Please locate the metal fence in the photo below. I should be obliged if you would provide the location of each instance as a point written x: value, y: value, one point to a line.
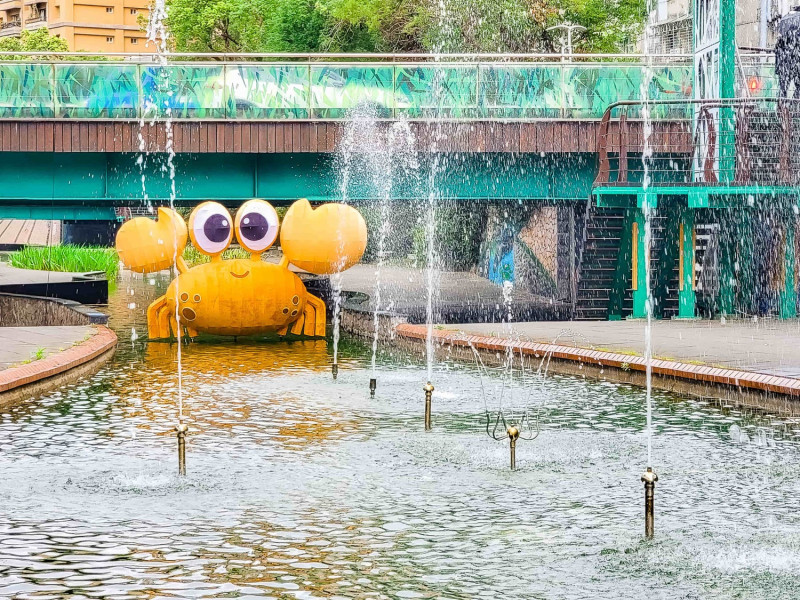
x: 742, y: 141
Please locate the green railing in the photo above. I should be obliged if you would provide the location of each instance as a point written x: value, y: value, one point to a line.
x: 330, y: 90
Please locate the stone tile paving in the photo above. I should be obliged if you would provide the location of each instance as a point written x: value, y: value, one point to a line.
x: 764, y: 345
x: 19, y: 344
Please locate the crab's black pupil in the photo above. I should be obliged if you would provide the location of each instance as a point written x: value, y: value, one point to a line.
x: 217, y: 228
x: 254, y: 226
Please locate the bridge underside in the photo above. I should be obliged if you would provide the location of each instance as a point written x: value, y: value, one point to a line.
x: 90, y: 185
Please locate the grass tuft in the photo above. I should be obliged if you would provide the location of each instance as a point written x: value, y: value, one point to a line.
x: 193, y: 257
x: 67, y: 258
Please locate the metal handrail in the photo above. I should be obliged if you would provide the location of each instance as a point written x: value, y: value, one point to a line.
x: 311, y: 56
x: 702, y: 110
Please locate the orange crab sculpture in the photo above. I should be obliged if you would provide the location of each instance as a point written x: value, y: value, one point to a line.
x: 243, y: 296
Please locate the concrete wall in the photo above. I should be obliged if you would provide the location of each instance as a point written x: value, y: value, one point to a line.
x: 31, y: 311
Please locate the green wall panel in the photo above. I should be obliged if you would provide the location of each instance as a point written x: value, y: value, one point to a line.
x: 67, y: 182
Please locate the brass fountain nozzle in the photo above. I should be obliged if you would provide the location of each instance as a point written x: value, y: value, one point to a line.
x: 428, y: 387
x: 649, y: 478
x: 513, y: 436
x: 181, y: 428
x: 373, y: 383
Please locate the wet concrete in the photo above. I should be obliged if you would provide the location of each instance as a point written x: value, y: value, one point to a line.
x: 766, y: 346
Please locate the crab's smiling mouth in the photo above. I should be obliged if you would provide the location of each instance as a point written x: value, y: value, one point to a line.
x: 245, y: 274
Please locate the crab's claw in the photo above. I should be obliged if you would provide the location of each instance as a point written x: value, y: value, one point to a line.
x: 323, y: 240
x: 146, y: 246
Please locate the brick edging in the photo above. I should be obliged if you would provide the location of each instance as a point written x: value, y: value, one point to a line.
x: 100, y: 343
x: 787, y: 386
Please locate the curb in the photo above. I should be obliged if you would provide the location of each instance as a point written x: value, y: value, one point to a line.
x: 100, y: 343
x: 759, y: 382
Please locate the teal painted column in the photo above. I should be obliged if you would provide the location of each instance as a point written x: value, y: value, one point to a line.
x: 788, y: 294
x: 745, y: 274
x: 639, y: 260
x: 686, y: 274
x: 619, y: 286
x: 727, y: 89
x: 727, y: 276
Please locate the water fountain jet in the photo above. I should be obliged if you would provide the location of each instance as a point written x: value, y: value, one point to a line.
x: 181, y: 428
x: 335, y: 370
x: 513, y: 435
x: 649, y: 478
x: 428, y: 387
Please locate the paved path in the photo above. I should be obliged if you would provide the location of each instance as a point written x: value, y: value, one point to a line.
x: 20, y: 344
x: 764, y: 346
x: 404, y: 290
x: 12, y: 276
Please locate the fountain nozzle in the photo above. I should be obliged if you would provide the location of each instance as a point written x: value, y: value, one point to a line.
x: 513, y: 436
x: 335, y: 370
x: 428, y: 387
x: 649, y: 478
x: 373, y: 383
x: 181, y: 428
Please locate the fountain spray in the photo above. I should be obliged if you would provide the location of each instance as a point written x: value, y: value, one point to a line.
x: 157, y: 34
x: 649, y: 478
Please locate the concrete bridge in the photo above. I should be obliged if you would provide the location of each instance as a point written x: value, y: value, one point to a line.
x: 70, y: 131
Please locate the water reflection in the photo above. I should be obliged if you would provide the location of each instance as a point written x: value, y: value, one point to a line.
x: 299, y: 487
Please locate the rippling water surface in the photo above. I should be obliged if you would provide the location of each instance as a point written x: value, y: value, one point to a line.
x: 299, y: 487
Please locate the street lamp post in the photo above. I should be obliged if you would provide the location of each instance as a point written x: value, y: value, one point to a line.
x: 569, y: 28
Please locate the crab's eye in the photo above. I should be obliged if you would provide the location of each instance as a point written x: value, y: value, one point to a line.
x: 256, y: 225
x: 211, y: 228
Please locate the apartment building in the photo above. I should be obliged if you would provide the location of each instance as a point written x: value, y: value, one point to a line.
x: 89, y: 25
x: 755, y: 24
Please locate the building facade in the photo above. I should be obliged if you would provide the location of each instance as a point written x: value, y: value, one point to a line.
x: 86, y: 25
x: 755, y: 24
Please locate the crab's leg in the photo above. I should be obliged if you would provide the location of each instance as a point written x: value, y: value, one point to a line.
x: 153, y: 318
x: 283, y: 331
x: 162, y: 318
x: 191, y: 332
x: 297, y: 326
x: 319, y: 318
x: 175, y: 326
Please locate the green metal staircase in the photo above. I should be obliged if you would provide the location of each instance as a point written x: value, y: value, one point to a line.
x: 605, y: 275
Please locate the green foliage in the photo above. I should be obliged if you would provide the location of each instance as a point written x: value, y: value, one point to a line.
x: 35, y: 40
x: 194, y: 257
x: 459, y: 230
x: 67, y: 258
x: 400, y: 25
x: 610, y: 26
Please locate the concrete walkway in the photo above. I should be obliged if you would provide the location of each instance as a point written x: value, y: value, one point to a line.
x: 19, y: 345
x: 765, y: 346
x: 404, y: 290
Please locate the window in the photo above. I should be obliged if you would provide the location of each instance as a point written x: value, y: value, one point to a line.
x: 109, y: 9
x: 110, y: 39
x: 134, y: 41
x: 134, y: 11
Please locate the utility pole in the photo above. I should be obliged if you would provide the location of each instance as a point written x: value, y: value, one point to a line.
x: 569, y: 28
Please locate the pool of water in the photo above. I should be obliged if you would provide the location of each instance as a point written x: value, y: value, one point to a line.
x: 301, y: 487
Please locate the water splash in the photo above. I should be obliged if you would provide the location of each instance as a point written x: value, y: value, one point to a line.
x: 647, y: 154
x: 155, y: 107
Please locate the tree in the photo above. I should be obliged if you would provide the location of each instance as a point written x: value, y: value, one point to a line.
x: 399, y: 25
x: 36, y: 40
